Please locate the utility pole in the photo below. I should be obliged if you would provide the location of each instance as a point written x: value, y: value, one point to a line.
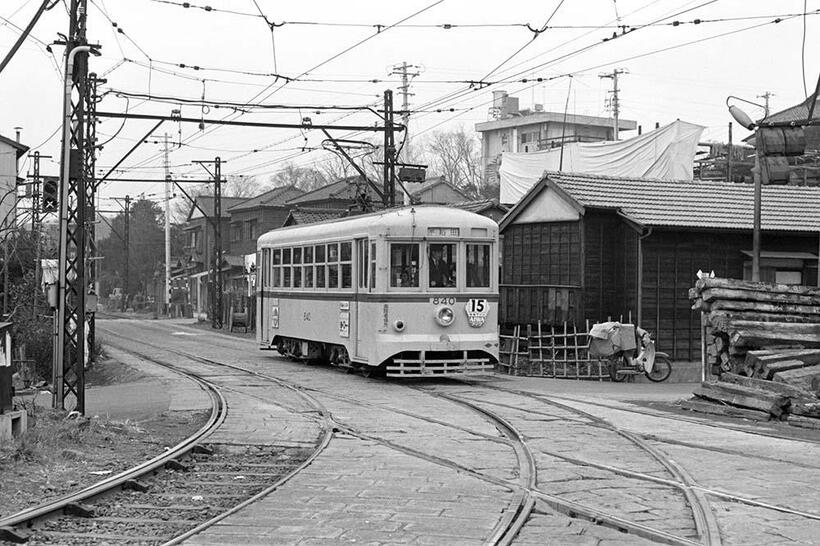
x: 70, y: 353
x: 216, y: 264
x: 126, y: 245
x: 407, y: 72
x: 729, y: 156
x: 167, y: 229
x: 766, y: 96
x: 36, y: 194
x: 389, y: 152
x: 616, y: 104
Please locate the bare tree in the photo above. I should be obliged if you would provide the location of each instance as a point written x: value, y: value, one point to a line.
x: 304, y: 178
x: 456, y: 156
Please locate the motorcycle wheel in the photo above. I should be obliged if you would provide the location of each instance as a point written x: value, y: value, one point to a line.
x: 661, y: 370
x: 614, y: 365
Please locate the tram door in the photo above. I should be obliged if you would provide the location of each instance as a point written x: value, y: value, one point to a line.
x: 363, y: 259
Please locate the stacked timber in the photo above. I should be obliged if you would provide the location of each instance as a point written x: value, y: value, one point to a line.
x: 763, y: 341
x: 743, y: 316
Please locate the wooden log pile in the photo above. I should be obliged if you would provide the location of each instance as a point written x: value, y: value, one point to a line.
x: 743, y: 316
x: 763, y: 341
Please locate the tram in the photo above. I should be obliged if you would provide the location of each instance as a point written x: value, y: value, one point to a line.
x: 402, y: 292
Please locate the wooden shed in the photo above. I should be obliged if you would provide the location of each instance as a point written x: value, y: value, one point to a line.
x: 584, y: 247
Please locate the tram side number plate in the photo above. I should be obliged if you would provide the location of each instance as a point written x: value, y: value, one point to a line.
x: 443, y: 300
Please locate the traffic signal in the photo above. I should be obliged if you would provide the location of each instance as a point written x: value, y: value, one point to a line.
x: 774, y: 146
x: 50, y: 194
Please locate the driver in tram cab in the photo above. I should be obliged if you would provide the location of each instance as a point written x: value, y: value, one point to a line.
x: 440, y: 269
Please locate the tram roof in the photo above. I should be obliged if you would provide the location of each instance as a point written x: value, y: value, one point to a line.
x: 397, y: 222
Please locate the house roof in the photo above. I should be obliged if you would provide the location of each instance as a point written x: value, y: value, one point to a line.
x: 344, y: 189
x: 206, y: 203
x: 272, y: 198
x: 684, y: 204
x: 21, y: 148
x: 417, y: 188
x: 797, y: 113
x: 300, y: 216
x: 480, y: 205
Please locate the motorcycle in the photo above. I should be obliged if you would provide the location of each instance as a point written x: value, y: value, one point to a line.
x: 618, y: 342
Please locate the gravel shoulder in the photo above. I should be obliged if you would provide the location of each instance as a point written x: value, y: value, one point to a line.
x: 61, y: 453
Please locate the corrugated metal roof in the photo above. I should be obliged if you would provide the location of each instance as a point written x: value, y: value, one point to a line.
x: 695, y: 204
x: 479, y: 205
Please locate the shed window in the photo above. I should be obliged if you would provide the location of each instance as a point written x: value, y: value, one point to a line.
x: 404, y: 265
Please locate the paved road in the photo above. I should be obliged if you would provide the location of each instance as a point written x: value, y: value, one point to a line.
x: 409, y: 463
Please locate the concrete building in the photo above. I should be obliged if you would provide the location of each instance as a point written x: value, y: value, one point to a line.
x: 511, y: 129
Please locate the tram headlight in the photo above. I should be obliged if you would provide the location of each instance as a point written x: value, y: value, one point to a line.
x: 399, y: 325
x: 445, y: 316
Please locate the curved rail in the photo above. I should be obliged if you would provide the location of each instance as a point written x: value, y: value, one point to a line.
x: 509, y: 526
x: 326, y: 437
x: 215, y: 420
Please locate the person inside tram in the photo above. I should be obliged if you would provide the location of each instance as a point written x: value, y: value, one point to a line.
x: 441, y: 271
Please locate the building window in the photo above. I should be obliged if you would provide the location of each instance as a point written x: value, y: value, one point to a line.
x: 236, y: 232
x: 251, y: 229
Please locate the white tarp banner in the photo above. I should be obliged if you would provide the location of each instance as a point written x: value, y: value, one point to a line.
x: 667, y: 153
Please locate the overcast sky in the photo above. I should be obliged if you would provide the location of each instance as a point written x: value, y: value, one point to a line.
x: 684, y: 71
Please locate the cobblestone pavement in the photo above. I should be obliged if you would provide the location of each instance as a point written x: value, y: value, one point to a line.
x: 407, y: 467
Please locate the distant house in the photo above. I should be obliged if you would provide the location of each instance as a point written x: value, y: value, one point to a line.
x: 199, y: 248
x: 511, y: 129
x: 582, y: 247
x: 10, y: 153
x: 300, y: 216
x: 490, y: 208
x: 256, y: 215
x: 341, y: 194
x: 433, y: 191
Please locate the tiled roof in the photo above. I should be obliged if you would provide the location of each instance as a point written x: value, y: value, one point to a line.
x: 690, y: 204
x: 275, y: 197
x: 302, y: 216
x: 344, y: 189
x: 206, y: 203
x: 799, y: 112
x: 479, y: 205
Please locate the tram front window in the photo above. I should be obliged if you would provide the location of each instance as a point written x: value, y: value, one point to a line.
x: 442, y: 265
x: 478, y: 266
x: 404, y: 265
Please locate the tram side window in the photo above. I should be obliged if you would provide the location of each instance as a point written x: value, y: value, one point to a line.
x: 478, y: 266
x: 372, y: 266
x: 286, y: 267
x: 442, y: 265
x: 333, y: 265
x: 319, y: 258
x: 277, y: 267
x: 404, y: 265
x: 347, y: 264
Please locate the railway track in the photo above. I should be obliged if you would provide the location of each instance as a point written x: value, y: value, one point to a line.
x: 525, y: 490
x: 181, y: 492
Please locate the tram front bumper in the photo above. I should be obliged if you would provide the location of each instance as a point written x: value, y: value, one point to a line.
x: 446, y: 354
